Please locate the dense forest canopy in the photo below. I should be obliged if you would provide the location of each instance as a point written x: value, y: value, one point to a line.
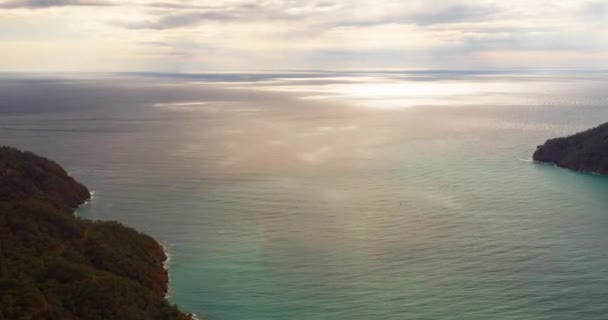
x: 54, y: 265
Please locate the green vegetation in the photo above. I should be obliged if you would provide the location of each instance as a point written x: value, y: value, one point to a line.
x: 586, y: 151
x: 54, y: 265
x: 25, y: 176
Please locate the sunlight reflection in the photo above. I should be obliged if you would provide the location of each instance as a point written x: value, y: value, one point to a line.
x: 395, y: 93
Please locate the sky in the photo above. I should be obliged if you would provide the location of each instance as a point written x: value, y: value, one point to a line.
x: 246, y: 35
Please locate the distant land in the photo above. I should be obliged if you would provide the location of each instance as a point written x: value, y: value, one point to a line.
x: 54, y: 265
x: 585, y: 151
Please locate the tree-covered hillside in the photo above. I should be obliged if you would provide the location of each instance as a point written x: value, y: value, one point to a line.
x: 54, y: 265
x: 585, y: 151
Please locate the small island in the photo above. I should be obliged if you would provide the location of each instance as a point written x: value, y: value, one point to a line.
x: 585, y: 151
x: 55, y: 265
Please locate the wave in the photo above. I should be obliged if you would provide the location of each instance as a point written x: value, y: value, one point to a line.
x: 93, y: 196
x: 166, y: 267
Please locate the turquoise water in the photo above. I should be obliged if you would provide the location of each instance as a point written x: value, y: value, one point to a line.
x: 339, y: 195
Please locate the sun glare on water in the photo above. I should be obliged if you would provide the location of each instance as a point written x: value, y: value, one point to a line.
x: 389, y: 94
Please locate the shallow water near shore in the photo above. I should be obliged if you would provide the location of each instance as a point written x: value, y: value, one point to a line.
x: 328, y: 195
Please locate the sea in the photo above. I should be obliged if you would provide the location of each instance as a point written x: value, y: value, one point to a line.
x: 355, y: 195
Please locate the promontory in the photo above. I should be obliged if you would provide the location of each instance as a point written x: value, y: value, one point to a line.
x: 55, y: 265
x: 585, y: 151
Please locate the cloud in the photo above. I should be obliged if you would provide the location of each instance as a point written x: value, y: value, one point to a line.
x: 184, y: 5
x: 455, y: 13
x: 41, y: 4
x: 183, y: 15
x: 532, y: 41
x: 181, y: 35
x: 436, y: 15
x: 181, y: 20
x: 595, y: 9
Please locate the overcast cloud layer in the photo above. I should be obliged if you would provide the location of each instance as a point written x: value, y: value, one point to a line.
x: 235, y: 35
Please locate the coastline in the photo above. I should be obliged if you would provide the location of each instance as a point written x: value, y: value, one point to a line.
x: 166, y: 265
x: 553, y: 164
x: 92, y: 197
x: 165, y: 249
x: 83, y: 268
